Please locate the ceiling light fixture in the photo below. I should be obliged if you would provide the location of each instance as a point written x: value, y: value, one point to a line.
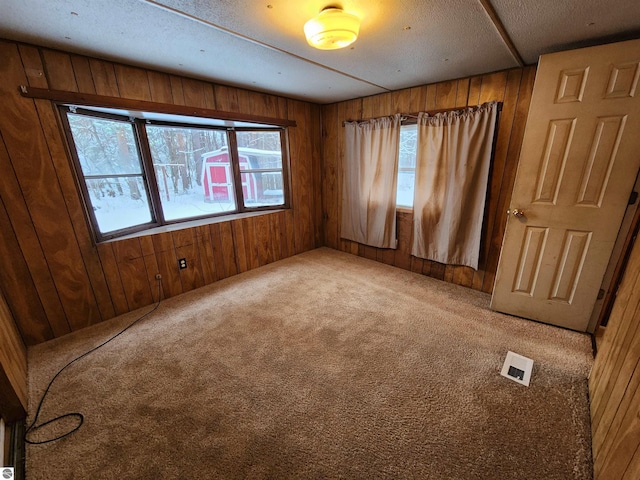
x: 331, y: 29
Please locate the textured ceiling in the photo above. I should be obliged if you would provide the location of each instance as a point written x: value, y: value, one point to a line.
x: 259, y: 44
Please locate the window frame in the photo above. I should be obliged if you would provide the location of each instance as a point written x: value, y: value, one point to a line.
x: 148, y: 174
x: 238, y: 171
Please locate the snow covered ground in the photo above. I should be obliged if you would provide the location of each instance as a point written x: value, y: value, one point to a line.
x: 116, y: 213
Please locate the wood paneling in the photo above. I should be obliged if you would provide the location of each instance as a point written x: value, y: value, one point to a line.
x: 133, y: 82
x: 160, y: 87
x: 104, y: 78
x: 32, y: 163
x: 194, y: 93
x: 47, y: 116
x: 614, y: 384
x: 75, y: 283
x: 13, y: 367
x: 512, y: 87
x: 307, y: 221
x: 55, y: 279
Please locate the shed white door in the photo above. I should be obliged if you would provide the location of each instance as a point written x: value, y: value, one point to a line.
x: 579, y: 159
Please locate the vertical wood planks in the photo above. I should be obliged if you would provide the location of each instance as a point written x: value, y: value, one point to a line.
x: 615, y: 368
x: 218, y: 255
x: 186, y: 246
x: 56, y: 279
x: 331, y: 130
x: 207, y: 260
x: 13, y: 367
x: 402, y: 256
x: 82, y: 69
x: 160, y: 87
x: 510, y: 134
x: 250, y: 243
x: 263, y: 240
x: 133, y: 273
x: 53, y: 138
x: 22, y: 294
x: 59, y: 70
x: 228, y: 250
x: 315, y: 149
x: 290, y: 237
x: 132, y: 82
x: 194, y: 95
x: 276, y: 239
x: 104, y: 78
x: 74, y: 282
x: 302, y: 172
x: 513, y: 87
x: 34, y: 169
x: 614, y: 384
x: 226, y: 98
x: 237, y: 227
x: 112, y: 275
x: 167, y: 264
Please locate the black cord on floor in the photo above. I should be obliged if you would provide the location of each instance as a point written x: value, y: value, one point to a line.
x: 33, y: 427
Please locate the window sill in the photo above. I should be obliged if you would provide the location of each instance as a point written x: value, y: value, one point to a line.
x: 193, y: 223
x: 404, y: 210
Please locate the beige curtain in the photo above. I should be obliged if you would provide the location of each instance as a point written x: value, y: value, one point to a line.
x: 369, y: 186
x: 452, y: 170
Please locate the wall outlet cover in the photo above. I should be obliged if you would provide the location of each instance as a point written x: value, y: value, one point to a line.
x: 517, y: 368
x: 8, y: 473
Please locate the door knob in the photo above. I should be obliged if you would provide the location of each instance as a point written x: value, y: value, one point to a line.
x: 516, y: 213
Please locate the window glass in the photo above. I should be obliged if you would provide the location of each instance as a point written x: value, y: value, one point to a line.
x: 112, y: 171
x: 193, y: 171
x: 260, y: 162
x: 406, y: 165
x: 137, y: 173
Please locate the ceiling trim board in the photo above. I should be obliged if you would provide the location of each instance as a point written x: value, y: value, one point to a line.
x: 495, y: 19
x: 259, y: 43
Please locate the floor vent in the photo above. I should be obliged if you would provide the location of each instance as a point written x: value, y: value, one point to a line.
x: 517, y: 368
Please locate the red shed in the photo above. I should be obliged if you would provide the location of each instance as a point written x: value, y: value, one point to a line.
x: 217, y: 177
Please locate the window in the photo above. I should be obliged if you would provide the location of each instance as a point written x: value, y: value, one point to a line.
x: 137, y: 173
x: 407, y: 165
x: 260, y: 160
x: 181, y: 163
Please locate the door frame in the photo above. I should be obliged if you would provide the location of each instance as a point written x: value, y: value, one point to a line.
x: 617, y: 262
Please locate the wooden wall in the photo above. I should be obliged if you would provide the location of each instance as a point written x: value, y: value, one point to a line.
x: 512, y: 87
x: 55, y: 279
x: 13, y: 367
x: 614, y: 384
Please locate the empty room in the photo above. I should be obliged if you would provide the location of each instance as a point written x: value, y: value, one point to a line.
x: 305, y: 240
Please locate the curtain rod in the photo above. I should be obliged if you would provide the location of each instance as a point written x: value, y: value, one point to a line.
x: 93, y: 100
x: 430, y: 112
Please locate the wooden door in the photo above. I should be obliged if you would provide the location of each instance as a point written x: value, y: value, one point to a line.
x: 579, y: 159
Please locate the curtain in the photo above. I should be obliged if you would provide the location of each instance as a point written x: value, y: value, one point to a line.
x: 452, y: 170
x: 369, y: 186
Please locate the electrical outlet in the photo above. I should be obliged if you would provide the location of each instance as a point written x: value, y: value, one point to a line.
x: 8, y: 473
x: 182, y: 263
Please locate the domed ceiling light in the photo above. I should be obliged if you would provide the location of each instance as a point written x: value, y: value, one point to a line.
x: 331, y: 29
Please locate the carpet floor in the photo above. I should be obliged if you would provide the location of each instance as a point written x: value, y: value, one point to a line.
x: 323, y: 365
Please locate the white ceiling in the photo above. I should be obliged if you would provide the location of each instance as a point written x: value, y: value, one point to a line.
x: 259, y: 44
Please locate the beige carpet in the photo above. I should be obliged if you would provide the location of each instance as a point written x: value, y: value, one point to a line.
x: 324, y: 365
